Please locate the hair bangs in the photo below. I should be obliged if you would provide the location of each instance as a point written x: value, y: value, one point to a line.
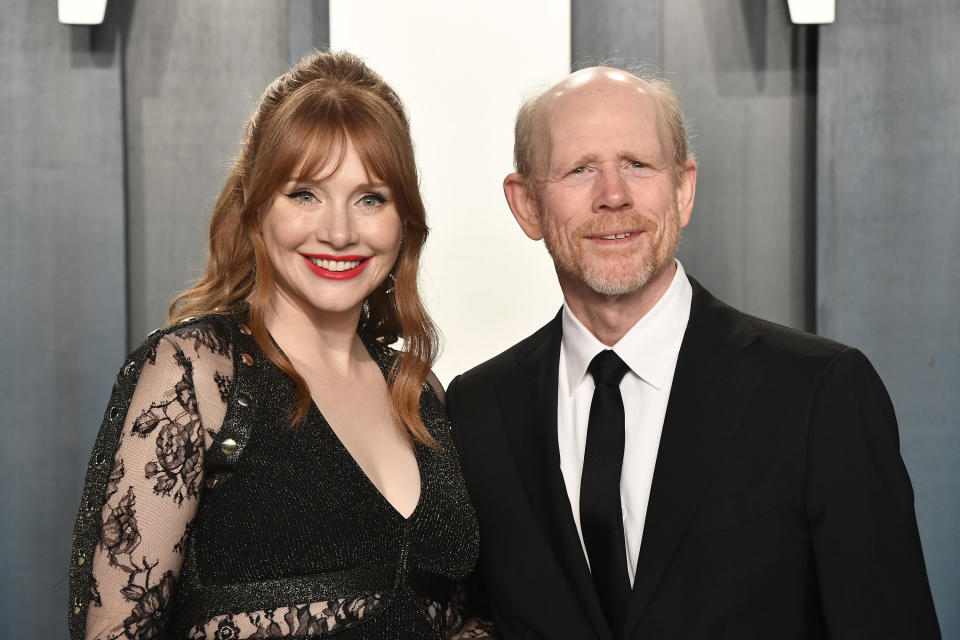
x: 313, y: 147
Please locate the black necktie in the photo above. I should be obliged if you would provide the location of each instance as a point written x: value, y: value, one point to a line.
x: 601, y: 518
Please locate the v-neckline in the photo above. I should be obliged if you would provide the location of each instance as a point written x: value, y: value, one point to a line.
x: 380, y: 354
x: 362, y: 472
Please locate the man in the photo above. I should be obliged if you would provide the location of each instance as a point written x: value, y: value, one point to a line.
x: 653, y: 463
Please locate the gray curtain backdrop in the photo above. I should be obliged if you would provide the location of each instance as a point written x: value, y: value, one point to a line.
x: 888, y: 239
x: 827, y: 200
x: 62, y: 291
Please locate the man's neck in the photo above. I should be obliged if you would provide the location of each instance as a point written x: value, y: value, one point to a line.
x: 609, y: 318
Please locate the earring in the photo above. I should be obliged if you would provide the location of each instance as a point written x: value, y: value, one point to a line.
x: 391, y: 283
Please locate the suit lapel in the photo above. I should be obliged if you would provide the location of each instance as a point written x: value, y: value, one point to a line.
x: 528, y: 400
x: 715, y: 377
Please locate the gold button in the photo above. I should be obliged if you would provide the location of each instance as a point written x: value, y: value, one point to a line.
x: 81, y: 559
x: 211, y: 483
x: 129, y: 368
x: 244, y: 399
x: 247, y: 359
x: 76, y: 610
x: 228, y: 446
x: 245, y: 330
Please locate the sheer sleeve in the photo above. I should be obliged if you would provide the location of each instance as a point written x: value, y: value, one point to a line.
x: 460, y: 624
x: 153, y: 489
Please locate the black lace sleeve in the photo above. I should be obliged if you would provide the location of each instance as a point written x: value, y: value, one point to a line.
x: 144, y: 484
x: 457, y: 627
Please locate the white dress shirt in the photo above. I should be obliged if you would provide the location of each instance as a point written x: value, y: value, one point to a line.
x: 650, y: 348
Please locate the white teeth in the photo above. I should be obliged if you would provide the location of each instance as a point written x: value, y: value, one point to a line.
x: 336, y: 265
x: 618, y: 236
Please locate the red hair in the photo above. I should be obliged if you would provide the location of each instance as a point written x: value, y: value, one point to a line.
x: 302, y: 124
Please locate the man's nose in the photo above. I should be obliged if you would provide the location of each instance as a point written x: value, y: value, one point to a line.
x: 611, y: 191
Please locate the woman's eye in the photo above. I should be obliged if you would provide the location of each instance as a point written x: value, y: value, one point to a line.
x: 302, y: 195
x: 372, y: 200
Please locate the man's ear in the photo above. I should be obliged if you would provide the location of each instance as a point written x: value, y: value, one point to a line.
x: 686, y: 189
x: 523, y: 204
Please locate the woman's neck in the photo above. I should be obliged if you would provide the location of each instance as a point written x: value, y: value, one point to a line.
x: 315, y: 337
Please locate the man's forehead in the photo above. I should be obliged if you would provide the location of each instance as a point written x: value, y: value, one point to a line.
x: 589, y: 106
x: 598, y: 78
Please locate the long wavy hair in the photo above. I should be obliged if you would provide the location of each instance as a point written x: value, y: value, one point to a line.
x: 301, y: 126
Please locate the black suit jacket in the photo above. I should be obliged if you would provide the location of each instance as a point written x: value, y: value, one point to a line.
x: 780, y: 505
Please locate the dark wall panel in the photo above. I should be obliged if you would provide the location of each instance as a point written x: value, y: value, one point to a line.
x: 630, y: 30
x: 888, y: 232
x: 61, y: 290
x: 193, y: 72
x: 308, y: 27
x: 745, y: 77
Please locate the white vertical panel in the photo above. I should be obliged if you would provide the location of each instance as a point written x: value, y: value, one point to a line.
x: 462, y: 69
x: 812, y: 11
x: 81, y: 11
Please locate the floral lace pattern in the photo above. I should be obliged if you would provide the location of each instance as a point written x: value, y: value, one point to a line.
x: 155, y: 484
x: 153, y: 494
x: 297, y: 620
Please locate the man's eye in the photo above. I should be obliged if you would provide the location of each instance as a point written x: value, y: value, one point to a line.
x: 579, y: 170
x: 636, y: 164
x: 302, y: 195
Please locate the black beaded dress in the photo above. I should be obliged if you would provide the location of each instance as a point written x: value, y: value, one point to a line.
x: 204, y: 515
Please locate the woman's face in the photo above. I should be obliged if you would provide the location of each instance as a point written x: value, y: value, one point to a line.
x: 331, y: 242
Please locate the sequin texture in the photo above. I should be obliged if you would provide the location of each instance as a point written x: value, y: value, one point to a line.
x: 288, y: 530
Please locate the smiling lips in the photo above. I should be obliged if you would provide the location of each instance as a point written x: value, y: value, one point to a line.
x: 336, y: 267
x: 613, y: 238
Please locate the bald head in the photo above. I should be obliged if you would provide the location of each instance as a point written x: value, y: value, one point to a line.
x: 589, y: 86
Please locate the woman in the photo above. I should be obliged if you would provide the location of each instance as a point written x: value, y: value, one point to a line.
x: 267, y: 465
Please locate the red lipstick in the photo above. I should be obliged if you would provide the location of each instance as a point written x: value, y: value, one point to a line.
x: 336, y: 275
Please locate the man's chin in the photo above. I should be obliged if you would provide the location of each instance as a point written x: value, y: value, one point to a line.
x: 611, y: 285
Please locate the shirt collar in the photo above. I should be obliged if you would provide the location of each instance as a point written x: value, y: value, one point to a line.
x: 649, y: 348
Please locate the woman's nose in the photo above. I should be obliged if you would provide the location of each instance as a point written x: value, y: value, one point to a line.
x: 335, y: 226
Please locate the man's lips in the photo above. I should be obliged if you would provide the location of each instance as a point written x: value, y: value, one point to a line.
x: 336, y: 267
x: 615, y: 237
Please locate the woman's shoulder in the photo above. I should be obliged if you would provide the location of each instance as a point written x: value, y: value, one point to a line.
x: 209, y: 337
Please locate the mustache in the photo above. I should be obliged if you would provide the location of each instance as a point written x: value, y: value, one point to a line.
x: 616, y: 223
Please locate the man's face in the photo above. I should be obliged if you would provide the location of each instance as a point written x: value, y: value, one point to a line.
x: 605, y: 187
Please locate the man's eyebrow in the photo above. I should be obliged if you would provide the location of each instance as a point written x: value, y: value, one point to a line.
x: 577, y: 162
x: 652, y: 159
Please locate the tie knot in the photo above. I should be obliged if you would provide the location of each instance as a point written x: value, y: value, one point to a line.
x: 607, y: 368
